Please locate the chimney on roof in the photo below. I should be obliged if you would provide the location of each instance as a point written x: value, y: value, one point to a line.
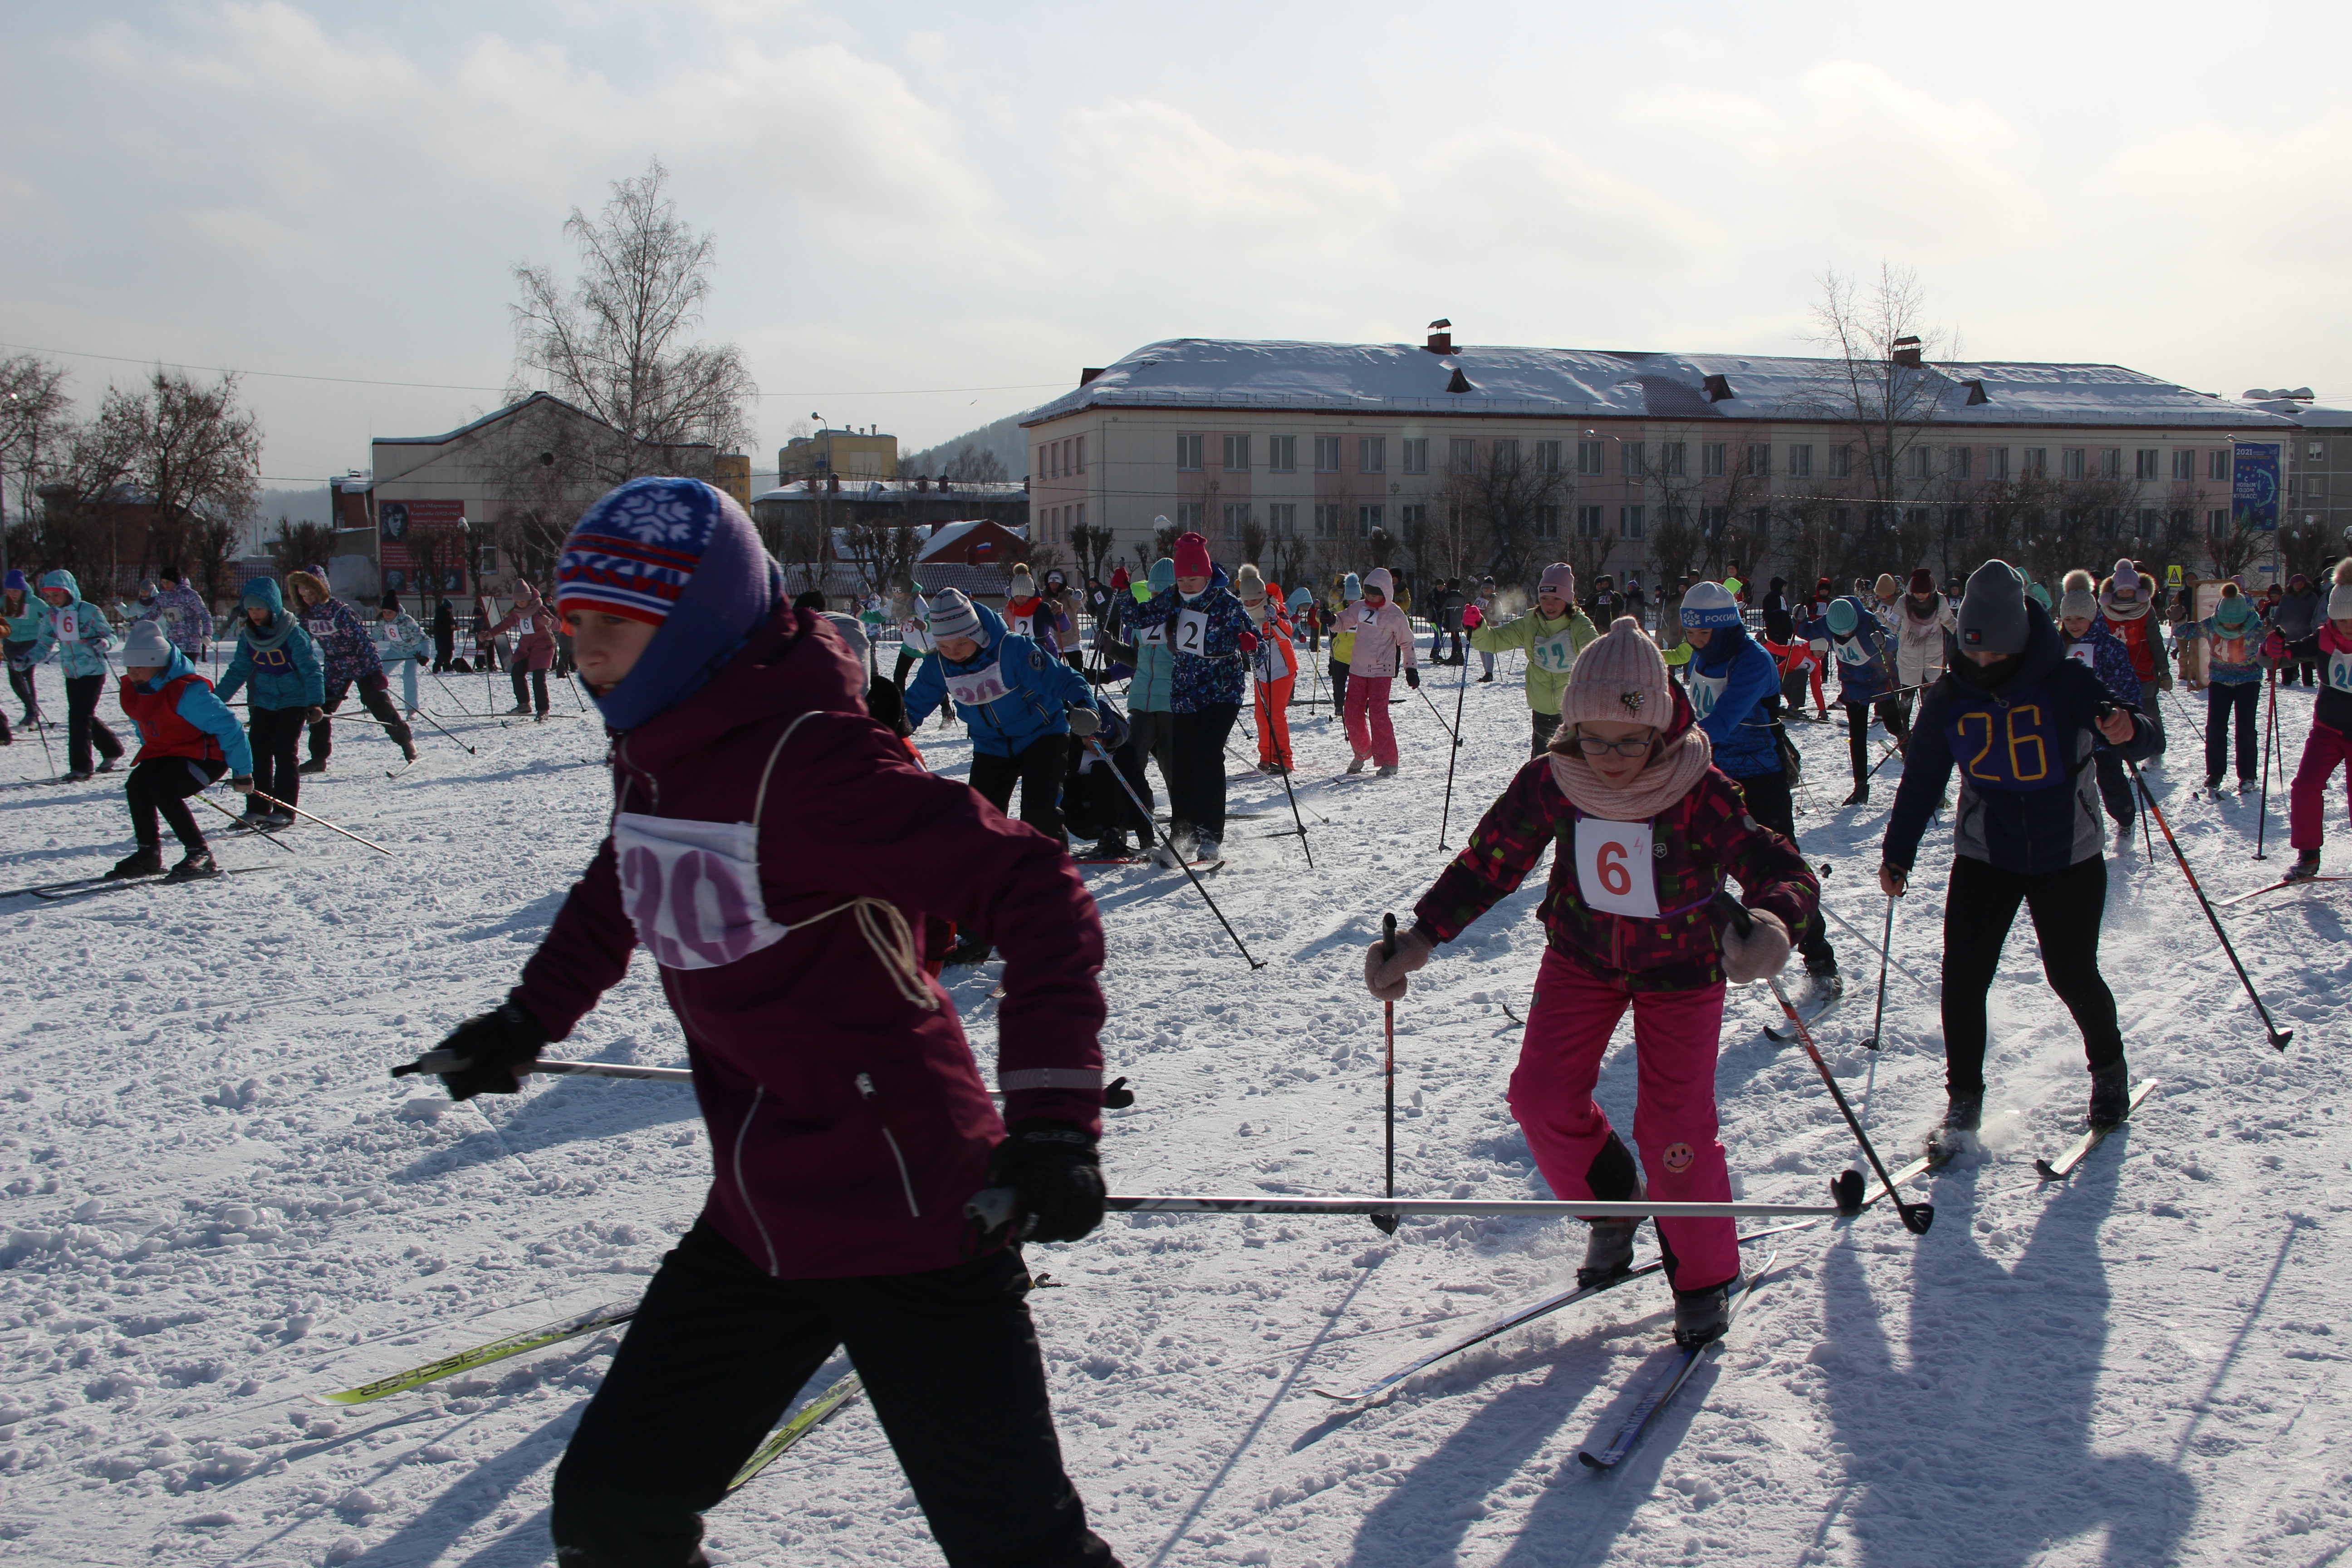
x: 1088, y: 372
x: 1906, y: 353
x: 1440, y: 341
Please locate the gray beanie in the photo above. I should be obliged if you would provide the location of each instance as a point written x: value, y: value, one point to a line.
x: 953, y: 616
x: 1992, y: 610
x: 146, y: 648
x: 2080, y: 600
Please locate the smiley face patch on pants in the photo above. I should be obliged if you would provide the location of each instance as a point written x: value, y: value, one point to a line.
x: 1679, y: 1157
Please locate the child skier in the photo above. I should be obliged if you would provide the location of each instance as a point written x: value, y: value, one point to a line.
x: 2330, y: 741
x: 187, y: 739
x: 289, y: 680
x: 1382, y: 645
x: 1866, y: 666
x: 2233, y: 675
x: 77, y: 632
x: 1274, y: 671
x: 20, y: 628
x: 1210, y: 640
x: 534, y: 650
x: 1551, y: 637
x: 2125, y: 599
x: 774, y: 849
x: 348, y: 658
x: 405, y: 644
x: 2089, y: 643
x: 2020, y: 720
x: 1346, y: 592
x: 1647, y: 830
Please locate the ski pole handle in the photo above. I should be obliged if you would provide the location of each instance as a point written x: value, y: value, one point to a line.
x: 1732, y: 910
x: 434, y: 1062
x: 993, y: 1207
x: 1388, y: 934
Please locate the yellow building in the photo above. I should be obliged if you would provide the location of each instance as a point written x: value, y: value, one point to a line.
x: 849, y: 453
x: 734, y: 477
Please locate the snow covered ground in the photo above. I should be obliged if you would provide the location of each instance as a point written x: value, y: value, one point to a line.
x: 216, y: 1205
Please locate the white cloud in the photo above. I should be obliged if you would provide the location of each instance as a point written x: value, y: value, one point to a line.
x: 1516, y: 192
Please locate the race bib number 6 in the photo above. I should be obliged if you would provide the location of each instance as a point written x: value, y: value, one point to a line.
x: 1613, y: 867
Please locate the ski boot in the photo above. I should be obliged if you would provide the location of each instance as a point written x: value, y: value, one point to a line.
x: 108, y: 765
x: 1962, y: 1115
x: 147, y: 860
x: 2305, y: 866
x: 970, y: 950
x: 1356, y: 765
x: 1860, y: 796
x: 1608, y: 1252
x: 315, y: 765
x: 1702, y: 1316
x: 2110, y: 1097
x: 1386, y: 770
x: 195, y: 866
x: 1184, y: 839
x: 408, y: 750
x: 1207, y: 848
x: 2123, y: 839
x: 1112, y: 847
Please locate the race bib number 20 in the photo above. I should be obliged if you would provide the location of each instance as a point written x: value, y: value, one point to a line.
x: 1612, y: 867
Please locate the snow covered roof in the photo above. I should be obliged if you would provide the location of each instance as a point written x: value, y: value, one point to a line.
x: 508, y: 411
x: 1406, y: 378
x: 2302, y: 412
x: 946, y: 534
x: 892, y: 489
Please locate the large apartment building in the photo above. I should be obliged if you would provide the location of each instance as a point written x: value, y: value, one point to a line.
x: 1637, y: 461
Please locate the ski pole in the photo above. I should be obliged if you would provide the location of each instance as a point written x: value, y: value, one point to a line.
x: 450, y: 1061
x: 234, y: 818
x: 452, y: 695
x: 1439, y: 717
x: 325, y: 823
x: 1917, y: 1217
x: 2278, y: 1037
x: 1461, y: 689
x: 1388, y: 1222
x: 2262, y: 815
x: 426, y: 715
x: 993, y: 1206
x: 1886, y: 942
x: 1304, y: 847
x: 1151, y: 830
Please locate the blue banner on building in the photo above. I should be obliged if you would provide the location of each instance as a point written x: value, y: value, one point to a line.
x: 2254, y: 486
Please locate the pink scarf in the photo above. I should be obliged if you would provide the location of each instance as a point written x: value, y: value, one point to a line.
x: 1669, y: 776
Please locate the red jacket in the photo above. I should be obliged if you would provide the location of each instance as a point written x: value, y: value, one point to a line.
x: 849, y: 1124
x: 164, y: 729
x: 2133, y: 635
x: 535, y: 649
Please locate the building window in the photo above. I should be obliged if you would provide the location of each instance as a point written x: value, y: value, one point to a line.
x: 2037, y: 463
x: 1281, y: 454
x: 1368, y: 519
x: 1759, y: 521
x: 2111, y: 522
x: 1711, y: 459
x: 1956, y: 523
x: 1923, y: 463
x: 1413, y: 521
x: 1413, y: 454
x: 1636, y: 459
x: 2070, y: 461
x: 1371, y: 455
x: 1670, y: 458
x: 1188, y: 454
x: 2149, y: 522
x: 1282, y: 521
x: 2184, y: 465
x: 1588, y: 459
x: 1629, y: 523
x: 1841, y: 462
x: 2217, y: 466
x: 1547, y: 525
x: 2216, y: 522
x: 1955, y: 462
x: 1043, y: 469
x: 1327, y: 453
x: 1237, y: 454
x: 1997, y: 463
x: 1327, y: 520
x: 2149, y: 463
x: 1588, y: 522
x: 1760, y: 462
x: 1506, y: 457
x: 1082, y: 514
x: 2111, y: 463
x: 1236, y: 514
x: 1188, y: 513
x: 1079, y: 448
x: 1547, y: 456
x: 1711, y: 519
x: 1461, y: 456
x: 1800, y: 462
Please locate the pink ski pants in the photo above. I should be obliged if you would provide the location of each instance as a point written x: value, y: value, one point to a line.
x: 1675, y: 1034
x: 2306, y: 799
x: 1369, y: 730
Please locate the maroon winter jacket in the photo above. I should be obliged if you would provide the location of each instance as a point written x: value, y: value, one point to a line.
x: 848, y: 1125
x: 535, y: 649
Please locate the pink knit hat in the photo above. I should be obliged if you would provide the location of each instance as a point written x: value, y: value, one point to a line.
x: 1192, y: 556
x: 1560, y: 578
x: 1620, y: 676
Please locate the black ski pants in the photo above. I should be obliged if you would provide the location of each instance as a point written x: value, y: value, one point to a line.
x: 1857, y: 729
x: 20, y: 681
x: 161, y: 788
x: 1038, y: 770
x: 1770, y: 803
x: 274, y: 733
x: 2114, y: 787
x: 1338, y: 670
x: 83, y: 725
x: 375, y: 696
x: 717, y: 1353
x: 1151, y: 734
x: 1196, y: 790
x: 536, y: 698
x: 1977, y: 912
x: 1543, y: 727
x: 2242, y: 697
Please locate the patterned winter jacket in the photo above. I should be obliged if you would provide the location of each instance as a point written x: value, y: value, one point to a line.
x: 78, y: 632
x: 2102, y: 653
x: 345, y: 649
x: 1695, y: 842
x: 185, y: 618
x: 1212, y: 640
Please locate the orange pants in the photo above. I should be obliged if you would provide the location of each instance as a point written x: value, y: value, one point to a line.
x: 1274, y: 722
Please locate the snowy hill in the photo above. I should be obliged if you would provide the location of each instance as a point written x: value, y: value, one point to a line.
x: 218, y: 1206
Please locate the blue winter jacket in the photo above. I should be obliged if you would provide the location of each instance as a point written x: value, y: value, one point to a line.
x: 1216, y: 669
x: 2022, y: 741
x: 77, y: 630
x: 279, y: 658
x: 1036, y: 690
x: 201, y: 707
x: 1732, y: 682
x: 2102, y: 653
x: 1863, y: 659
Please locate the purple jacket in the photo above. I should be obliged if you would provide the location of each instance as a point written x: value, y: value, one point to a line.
x: 345, y: 649
x: 849, y: 1124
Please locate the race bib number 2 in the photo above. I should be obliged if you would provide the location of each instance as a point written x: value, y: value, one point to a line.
x: 1613, y: 867
x: 1192, y: 631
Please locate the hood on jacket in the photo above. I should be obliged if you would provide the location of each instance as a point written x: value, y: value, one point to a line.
x: 785, y: 666
x: 1377, y: 581
x: 263, y: 593
x: 61, y: 578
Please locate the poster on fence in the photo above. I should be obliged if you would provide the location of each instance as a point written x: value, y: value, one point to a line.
x: 422, y: 545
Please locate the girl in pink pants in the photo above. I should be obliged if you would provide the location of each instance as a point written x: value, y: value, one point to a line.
x: 2330, y: 743
x: 1384, y: 647
x: 1645, y: 830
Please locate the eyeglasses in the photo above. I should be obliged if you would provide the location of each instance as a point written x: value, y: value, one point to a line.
x: 1593, y: 746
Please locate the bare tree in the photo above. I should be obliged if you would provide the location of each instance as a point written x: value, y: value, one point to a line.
x: 618, y: 342
x: 299, y: 546
x: 1093, y: 546
x: 1500, y: 503
x: 1676, y: 535
x: 36, y: 422
x: 169, y: 454
x: 975, y: 465
x: 883, y: 554
x: 1253, y: 539
x: 211, y: 542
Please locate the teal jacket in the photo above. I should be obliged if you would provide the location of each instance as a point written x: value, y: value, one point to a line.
x: 280, y: 659
x: 1153, y: 689
x: 78, y: 630
x: 24, y: 625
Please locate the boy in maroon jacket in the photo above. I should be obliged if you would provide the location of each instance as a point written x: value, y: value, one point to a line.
x: 775, y: 850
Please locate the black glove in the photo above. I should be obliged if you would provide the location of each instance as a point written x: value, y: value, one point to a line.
x: 495, y: 1041
x: 1052, y: 1165
x: 1413, y: 678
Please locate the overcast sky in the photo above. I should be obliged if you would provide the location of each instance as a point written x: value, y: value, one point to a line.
x: 911, y: 197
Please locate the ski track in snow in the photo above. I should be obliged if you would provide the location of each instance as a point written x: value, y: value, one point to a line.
x: 217, y: 1204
